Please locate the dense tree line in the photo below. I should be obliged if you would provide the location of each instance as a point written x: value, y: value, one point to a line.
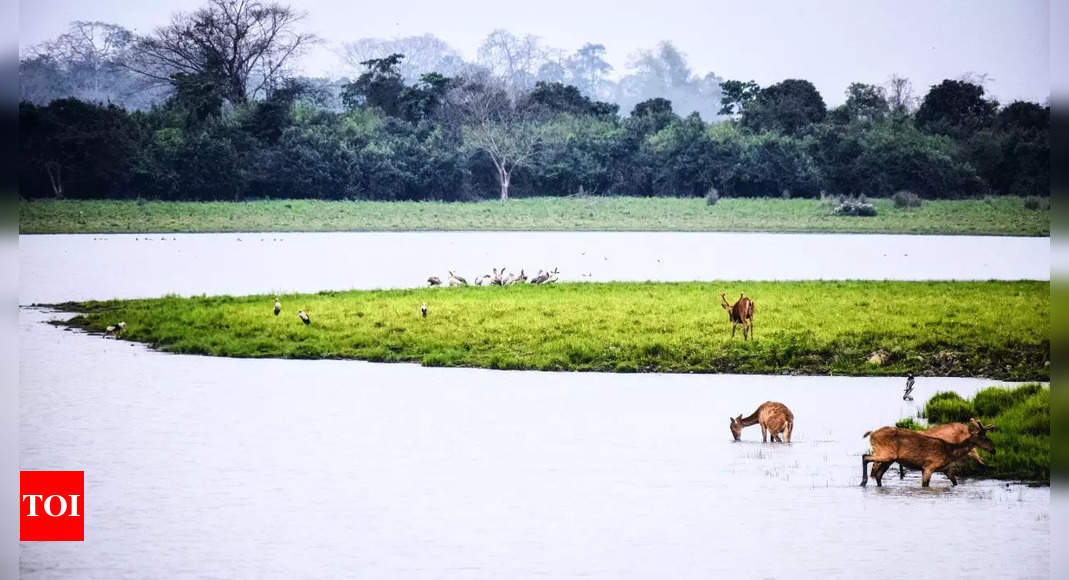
x: 236, y: 124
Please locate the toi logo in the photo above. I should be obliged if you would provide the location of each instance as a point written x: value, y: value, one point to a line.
x: 51, y: 506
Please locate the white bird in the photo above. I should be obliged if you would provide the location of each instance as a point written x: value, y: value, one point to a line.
x: 423, y: 309
x: 304, y: 317
x: 114, y: 329
x: 278, y: 306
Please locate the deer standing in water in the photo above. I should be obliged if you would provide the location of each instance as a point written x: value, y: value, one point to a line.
x: 740, y: 312
x: 913, y: 448
x: 774, y: 418
x: 949, y: 432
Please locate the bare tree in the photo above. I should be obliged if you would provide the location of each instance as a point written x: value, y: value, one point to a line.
x: 243, y: 45
x: 423, y: 54
x: 491, y: 123
x: 899, y: 93
x: 513, y: 59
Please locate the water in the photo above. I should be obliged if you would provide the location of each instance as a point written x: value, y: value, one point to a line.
x: 80, y: 267
x: 211, y: 467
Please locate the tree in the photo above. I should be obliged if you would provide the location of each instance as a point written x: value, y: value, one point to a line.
x: 512, y: 59
x: 865, y: 102
x: 379, y: 86
x: 555, y: 98
x: 244, y: 44
x: 491, y: 123
x: 736, y: 95
x: 588, y: 67
x: 955, y: 108
x: 423, y: 54
x: 786, y: 107
x: 900, y: 99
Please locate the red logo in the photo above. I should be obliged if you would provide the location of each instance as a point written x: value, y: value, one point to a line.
x: 52, y: 506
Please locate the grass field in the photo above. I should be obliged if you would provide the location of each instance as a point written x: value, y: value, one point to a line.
x: 929, y: 328
x: 997, y: 216
x: 1021, y: 417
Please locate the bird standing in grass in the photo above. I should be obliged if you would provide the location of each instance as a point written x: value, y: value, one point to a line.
x: 114, y: 329
x: 304, y: 317
x: 278, y: 306
x: 423, y: 309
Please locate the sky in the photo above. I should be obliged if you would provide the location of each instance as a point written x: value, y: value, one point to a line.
x: 831, y: 43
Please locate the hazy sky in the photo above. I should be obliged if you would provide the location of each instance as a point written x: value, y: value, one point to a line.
x: 831, y: 43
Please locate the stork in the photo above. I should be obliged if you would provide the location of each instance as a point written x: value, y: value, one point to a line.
x: 434, y: 281
x: 304, y: 317
x: 278, y: 306
x: 423, y: 309
x: 114, y: 329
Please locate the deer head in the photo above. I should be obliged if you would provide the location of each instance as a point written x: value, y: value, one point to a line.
x: 978, y: 435
x: 724, y: 302
x: 736, y: 427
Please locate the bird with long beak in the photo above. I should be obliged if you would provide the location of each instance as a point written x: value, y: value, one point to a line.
x: 278, y: 306
x: 304, y: 317
x: 423, y: 309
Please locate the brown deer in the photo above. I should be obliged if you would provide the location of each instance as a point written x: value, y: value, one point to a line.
x: 921, y: 450
x: 774, y: 418
x: 740, y: 312
x: 950, y: 432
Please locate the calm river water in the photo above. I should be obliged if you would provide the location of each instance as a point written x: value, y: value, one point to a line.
x: 225, y: 468
x: 77, y: 267
x: 200, y: 467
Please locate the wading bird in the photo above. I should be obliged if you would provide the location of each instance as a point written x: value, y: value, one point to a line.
x: 114, y: 329
x: 434, y: 281
x: 909, y: 389
x: 278, y: 306
x: 423, y: 309
x: 304, y: 317
x: 455, y: 280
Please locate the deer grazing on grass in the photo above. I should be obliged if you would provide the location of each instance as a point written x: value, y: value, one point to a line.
x: 921, y: 450
x: 951, y: 433
x: 774, y: 418
x: 740, y: 312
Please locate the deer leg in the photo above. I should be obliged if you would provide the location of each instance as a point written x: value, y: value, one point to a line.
x: 764, y: 434
x: 865, y: 459
x: 790, y: 429
x: 950, y: 476
x: 901, y: 471
x: 733, y: 325
x: 927, y: 477
x: 880, y: 471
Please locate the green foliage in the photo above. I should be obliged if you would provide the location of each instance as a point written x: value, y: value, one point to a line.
x: 851, y: 206
x: 315, y: 152
x: 400, y: 141
x: 955, y: 108
x: 1035, y: 203
x: 906, y: 199
x: 640, y: 327
x: 786, y: 107
x: 1021, y: 417
x: 909, y: 423
x: 948, y: 407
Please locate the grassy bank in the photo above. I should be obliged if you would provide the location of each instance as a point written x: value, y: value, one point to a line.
x: 937, y: 328
x: 1021, y: 417
x: 999, y: 216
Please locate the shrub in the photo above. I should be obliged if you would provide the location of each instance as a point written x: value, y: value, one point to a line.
x: 855, y: 207
x: 909, y: 423
x: 712, y: 197
x: 948, y: 408
x: 1036, y: 203
x: 905, y: 199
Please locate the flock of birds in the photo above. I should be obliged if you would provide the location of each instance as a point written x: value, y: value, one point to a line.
x: 499, y: 278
